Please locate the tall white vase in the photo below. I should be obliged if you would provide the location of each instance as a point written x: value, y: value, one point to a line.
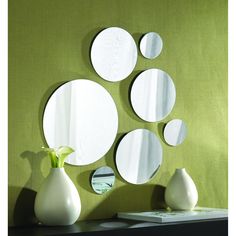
x: 181, y: 192
x: 58, y: 201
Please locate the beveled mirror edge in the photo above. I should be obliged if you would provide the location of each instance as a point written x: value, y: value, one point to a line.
x: 130, y: 96
x: 158, y: 167
x: 164, y: 132
x: 140, y: 42
x: 91, y: 49
x: 92, y: 175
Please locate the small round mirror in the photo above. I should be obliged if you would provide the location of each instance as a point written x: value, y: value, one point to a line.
x: 114, y: 54
x: 139, y: 156
x: 103, y: 179
x: 151, y: 45
x: 175, y: 132
x: 153, y: 95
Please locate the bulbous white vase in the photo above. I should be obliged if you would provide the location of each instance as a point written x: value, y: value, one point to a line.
x: 181, y: 192
x: 58, y: 201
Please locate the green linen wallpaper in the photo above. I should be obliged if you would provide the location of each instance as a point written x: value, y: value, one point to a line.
x: 49, y: 44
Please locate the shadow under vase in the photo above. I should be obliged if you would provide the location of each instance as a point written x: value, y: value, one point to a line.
x: 24, y: 207
x: 129, y: 198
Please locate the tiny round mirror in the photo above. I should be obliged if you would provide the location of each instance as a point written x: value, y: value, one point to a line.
x: 151, y: 45
x: 175, y: 132
x: 114, y: 54
x: 139, y: 156
x: 153, y: 95
x: 103, y: 179
x: 81, y: 114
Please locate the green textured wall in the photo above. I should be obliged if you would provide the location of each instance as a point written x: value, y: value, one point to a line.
x: 49, y: 43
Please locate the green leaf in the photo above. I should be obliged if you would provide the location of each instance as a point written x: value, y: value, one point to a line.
x: 62, y: 153
x: 58, y: 156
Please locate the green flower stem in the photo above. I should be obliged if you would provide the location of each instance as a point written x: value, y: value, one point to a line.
x: 58, y: 156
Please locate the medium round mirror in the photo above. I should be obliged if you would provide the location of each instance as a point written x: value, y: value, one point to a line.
x: 103, y: 179
x: 151, y: 45
x: 114, y: 54
x: 81, y: 114
x: 153, y: 95
x: 139, y: 156
x: 175, y: 132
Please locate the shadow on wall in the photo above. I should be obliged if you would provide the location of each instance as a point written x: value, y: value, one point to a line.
x: 87, y: 44
x: 160, y: 128
x: 125, y: 91
x: 130, y: 198
x: 24, y: 207
x: 137, y: 38
x: 111, y: 157
x: 84, y: 180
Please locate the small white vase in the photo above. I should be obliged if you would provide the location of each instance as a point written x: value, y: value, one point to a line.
x: 58, y: 201
x: 181, y: 192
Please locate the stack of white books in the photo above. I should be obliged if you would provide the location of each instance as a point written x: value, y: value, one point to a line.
x: 166, y: 216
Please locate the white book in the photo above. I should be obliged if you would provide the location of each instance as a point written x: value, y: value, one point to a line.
x: 166, y: 216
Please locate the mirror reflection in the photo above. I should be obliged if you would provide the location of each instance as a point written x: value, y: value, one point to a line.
x: 151, y: 45
x: 139, y: 156
x: 175, y: 132
x: 114, y: 54
x: 153, y: 95
x: 103, y: 179
x: 81, y: 114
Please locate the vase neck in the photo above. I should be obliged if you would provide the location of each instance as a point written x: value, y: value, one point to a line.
x: 57, y: 170
x: 180, y: 170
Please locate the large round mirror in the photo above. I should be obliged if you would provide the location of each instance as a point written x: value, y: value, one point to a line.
x: 103, y: 179
x: 151, y: 45
x: 81, y: 114
x: 153, y: 95
x: 114, y: 54
x: 139, y: 156
x: 175, y: 132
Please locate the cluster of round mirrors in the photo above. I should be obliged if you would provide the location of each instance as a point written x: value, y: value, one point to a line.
x: 83, y: 115
x: 114, y: 53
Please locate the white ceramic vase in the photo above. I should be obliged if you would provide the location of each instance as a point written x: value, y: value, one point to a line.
x: 181, y: 192
x: 58, y: 201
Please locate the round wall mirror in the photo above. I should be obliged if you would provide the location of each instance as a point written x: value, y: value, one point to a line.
x: 139, y: 156
x: 175, y: 132
x: 103, y: 179
x: 114, y: 54
x: 153, y: 95
x: 81, y: 114
x: 151, y: 45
